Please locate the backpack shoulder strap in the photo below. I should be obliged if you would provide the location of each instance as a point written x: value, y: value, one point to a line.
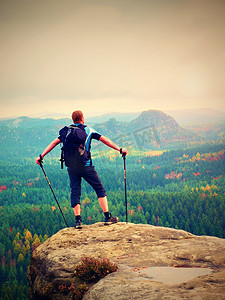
x: 81, y: 126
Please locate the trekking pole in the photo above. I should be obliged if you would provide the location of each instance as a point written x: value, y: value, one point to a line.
x: 41, y: 165
x: 125, y: 181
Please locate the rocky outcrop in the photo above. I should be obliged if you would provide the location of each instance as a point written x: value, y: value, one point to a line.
x: 153, y: 263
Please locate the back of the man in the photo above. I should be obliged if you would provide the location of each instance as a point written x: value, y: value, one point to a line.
x: 74, y: 152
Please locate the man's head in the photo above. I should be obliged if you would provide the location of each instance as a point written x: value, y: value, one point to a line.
x: 77, y: 117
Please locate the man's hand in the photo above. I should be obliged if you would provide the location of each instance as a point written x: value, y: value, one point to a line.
x: 124, y: 151
x: 38, y: 160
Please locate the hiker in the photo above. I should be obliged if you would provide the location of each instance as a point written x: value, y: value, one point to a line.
x: 86, y: 171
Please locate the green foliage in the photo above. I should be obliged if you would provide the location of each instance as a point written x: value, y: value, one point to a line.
x: 183, y: 189
x: 92, y: 269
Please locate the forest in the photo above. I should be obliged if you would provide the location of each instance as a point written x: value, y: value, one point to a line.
x: 183, y: 188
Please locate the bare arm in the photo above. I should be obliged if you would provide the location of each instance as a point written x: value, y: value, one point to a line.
x: 111, y: 144
x: 48, y: 149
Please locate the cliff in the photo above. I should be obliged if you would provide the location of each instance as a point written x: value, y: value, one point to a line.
x: 153, y: 263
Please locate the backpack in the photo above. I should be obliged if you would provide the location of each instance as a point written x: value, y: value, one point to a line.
x: 73, y: 151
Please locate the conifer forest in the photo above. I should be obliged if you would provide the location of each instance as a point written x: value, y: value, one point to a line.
x: 181, y: 186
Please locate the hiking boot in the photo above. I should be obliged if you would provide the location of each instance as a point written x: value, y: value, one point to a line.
x: 78, y: 224
x: 111, y: 219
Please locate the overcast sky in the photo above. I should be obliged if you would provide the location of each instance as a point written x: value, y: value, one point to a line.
x: 111, y: 55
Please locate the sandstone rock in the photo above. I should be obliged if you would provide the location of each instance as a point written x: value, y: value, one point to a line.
x: 135, y: 248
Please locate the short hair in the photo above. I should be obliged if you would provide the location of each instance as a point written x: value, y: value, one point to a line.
x: 77, y: 116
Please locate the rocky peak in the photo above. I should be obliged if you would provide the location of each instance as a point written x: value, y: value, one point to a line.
x: 162, y: 130
x: 138, y: 250
x: 156, y: 117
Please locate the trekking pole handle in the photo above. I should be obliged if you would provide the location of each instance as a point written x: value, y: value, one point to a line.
x: 123, y: 153
x: 40, y: 160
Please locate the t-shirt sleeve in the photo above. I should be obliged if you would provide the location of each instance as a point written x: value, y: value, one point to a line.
x: 93, y: 133
x: 96, y: 136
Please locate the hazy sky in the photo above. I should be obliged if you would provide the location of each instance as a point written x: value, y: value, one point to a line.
x: 111, y: 55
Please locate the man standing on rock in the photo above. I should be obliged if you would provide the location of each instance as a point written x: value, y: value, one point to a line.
x: 87, y: 171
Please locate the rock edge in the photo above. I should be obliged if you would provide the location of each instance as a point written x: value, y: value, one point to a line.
x: 131, y: 247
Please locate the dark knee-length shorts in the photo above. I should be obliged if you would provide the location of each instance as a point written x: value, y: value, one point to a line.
x: 91, y: 176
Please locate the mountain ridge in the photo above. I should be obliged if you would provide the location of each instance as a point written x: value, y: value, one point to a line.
x: 182, y: 116
x: 151, y: 130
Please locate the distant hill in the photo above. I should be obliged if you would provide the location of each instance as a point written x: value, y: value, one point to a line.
x: 26, y: 122
x: 164, y: 129
x: 151, y: 129
x: 182, y: 116
x: 49, y: 114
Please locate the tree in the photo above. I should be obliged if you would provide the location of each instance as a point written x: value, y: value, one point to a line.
x: 86, y: 201
x: 17, y: 249
x: 20, y: 258
x: 28, y: 235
